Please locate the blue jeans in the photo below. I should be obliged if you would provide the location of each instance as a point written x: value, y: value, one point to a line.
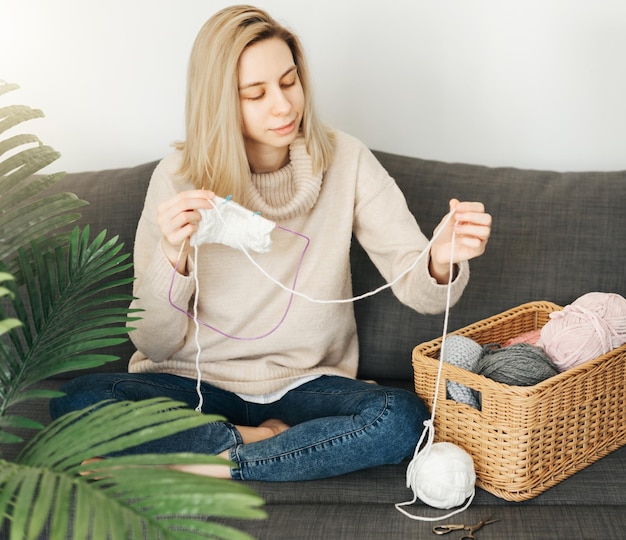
x: 338, y: 425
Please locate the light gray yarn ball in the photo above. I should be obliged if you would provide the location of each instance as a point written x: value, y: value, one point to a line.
x: 462, y: 352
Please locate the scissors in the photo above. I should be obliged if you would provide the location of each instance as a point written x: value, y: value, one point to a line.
x: 471, y: 529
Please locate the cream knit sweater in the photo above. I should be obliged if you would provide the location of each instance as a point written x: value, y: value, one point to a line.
x: 355, y: 195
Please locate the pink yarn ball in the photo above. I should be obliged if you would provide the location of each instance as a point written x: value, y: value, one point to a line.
x: 589, y: 327
x: 532, y: 337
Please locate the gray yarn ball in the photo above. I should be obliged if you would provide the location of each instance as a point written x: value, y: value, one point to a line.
x: 462, y: 352
x: 520, y: 364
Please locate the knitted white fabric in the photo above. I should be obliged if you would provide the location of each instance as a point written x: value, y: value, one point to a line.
x: 233, y: 225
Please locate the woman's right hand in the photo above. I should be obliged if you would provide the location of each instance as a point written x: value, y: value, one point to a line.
x: 178, y: 220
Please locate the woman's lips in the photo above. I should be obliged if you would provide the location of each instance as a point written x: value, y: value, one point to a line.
x: 287, y: 129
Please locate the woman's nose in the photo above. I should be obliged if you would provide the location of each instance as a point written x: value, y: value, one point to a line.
x: 280, y: 102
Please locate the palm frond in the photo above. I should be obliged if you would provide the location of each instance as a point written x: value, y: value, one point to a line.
x: 25, y: 213
x: 69, y: 310
x: 7, y: 324
x: 23, y: 164
x: 58, y: 307
x: 13, y: 115
x: 123, y: 497
x: 7, y: 87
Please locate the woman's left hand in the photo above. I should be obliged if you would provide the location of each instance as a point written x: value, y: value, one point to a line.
x: 472, y: 227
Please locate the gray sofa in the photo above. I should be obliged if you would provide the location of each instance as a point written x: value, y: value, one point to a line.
x: 556, y: 236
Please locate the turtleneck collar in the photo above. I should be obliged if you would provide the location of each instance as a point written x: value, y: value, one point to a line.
x: 288, y: 192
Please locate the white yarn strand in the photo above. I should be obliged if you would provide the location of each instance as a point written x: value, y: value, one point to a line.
x: 197, y: 334
x: 429, y: 425
x: 344, y: 300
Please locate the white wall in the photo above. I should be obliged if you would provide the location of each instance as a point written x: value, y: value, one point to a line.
x: 533, y: 83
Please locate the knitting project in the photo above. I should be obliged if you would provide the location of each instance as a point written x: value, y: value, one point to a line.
x: 233, y: 225
x: 236, y: 227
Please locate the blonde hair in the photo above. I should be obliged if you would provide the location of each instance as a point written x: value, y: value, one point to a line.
x: 214, y: 155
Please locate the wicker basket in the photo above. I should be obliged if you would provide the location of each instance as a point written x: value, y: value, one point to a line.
x: 525, y: 440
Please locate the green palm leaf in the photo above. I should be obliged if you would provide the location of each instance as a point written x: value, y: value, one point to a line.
x: 58, y: 307
x: 25, y: 214
x: 7, y: 324
x: 119, y: 497
x: 62, y: 327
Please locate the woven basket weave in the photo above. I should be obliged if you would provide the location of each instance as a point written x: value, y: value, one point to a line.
x: 526, y: 439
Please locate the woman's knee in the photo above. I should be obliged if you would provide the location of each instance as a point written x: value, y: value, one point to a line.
x: 80, y: 393
x: 411, y: 409
x: 406, y: 414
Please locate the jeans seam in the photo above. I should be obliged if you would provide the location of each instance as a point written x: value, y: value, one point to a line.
x: 152, y: 384
x: 235, y: 451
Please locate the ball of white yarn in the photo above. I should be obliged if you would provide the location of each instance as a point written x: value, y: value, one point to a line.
x: 444, y: 476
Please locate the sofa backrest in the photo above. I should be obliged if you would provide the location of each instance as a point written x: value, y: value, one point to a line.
x: 555, y: 237
x: 115, y: 198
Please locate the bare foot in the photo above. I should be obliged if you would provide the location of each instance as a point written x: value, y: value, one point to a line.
x: 275, y: 425
x: 214, y: 471
x: 269, y: 428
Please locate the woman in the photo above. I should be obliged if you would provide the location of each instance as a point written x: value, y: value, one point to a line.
x: 280, y: 368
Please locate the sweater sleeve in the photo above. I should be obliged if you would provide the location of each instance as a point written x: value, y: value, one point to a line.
x: 162, y: 328
x: 390, y: 235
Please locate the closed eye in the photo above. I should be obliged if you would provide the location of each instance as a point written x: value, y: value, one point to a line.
x: 291, y: 80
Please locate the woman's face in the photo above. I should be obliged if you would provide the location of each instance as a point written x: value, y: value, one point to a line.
x: 272, y: 103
